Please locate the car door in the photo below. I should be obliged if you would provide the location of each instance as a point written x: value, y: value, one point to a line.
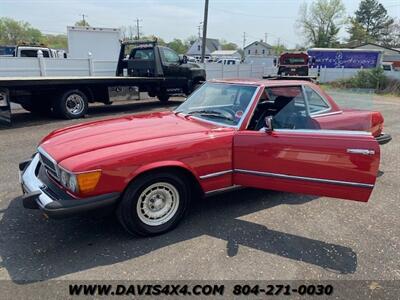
x: 173, y: 69
x: 339, y: 164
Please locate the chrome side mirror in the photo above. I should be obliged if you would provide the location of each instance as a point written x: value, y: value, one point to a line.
x: 268, y: 124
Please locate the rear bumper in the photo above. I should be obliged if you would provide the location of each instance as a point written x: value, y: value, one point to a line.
x: 41, y: 193
x: 383, y: 138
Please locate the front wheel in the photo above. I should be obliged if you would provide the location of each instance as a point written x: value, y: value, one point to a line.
x: 72, y: 104
x: 154, y: 204
x: 163, y: 97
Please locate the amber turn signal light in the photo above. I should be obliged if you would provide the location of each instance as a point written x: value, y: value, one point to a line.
x: 87, y: 181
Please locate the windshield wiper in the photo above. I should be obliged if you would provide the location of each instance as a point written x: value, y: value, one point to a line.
x: 210, y: 113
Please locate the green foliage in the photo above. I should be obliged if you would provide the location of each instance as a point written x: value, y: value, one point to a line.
x: 357, y: 33
x: 82, y: 23
x: 225, y: 45
x: 178, y: 45
x: 370, y: 79
x: 321, y: 22
x: 13, y: 32
x: 373, y: 17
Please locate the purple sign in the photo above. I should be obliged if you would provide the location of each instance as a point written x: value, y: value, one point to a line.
x: 347, y: 59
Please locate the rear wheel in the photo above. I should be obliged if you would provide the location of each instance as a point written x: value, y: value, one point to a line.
x: 72, y: 104
x: 153, y: 204
x: 39, y: 105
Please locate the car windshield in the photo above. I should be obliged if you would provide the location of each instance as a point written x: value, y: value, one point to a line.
x: 219, y: 102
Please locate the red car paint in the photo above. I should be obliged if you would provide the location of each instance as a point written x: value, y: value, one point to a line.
x: 125, y: 147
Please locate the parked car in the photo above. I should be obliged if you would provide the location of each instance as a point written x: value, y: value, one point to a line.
x: 228, y: 61
x: 262, y: 134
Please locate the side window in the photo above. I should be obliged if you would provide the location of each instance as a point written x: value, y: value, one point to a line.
x: 285, y: 104
x: 170, y: 56
x: 316, y: 103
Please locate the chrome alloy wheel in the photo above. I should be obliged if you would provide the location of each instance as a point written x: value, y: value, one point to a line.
x: 157, y: 204
x: 75, y: 104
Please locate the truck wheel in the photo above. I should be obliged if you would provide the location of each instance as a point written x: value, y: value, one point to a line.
x: 42, y: 108
x: 196, y: 86
x: 153, y: 204
x: 163, y: 97
x: 72, y: 104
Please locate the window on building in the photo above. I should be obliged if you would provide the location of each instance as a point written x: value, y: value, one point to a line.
x: 255, y: 52
x: 263, y: 52
x: 248, y: 52
x: 198, y: 47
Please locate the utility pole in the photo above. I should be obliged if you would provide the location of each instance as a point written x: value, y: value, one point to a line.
x: 204, y: 41
x: 83, y: 18
x: 265, y: 36
x: 244, y: 40
x: 138, y: 28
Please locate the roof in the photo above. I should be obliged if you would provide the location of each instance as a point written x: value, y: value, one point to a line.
x: 376, y: 45
x: 212, y: 44
x: 224, y: 52
x: 264, y: 44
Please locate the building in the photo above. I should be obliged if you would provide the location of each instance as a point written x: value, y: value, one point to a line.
x: 218, y: 54
x: 258, y: 48
x: 211, y: 46
x: 390, y: 55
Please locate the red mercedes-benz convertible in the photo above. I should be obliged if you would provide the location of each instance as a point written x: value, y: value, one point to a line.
x: 280, y: 135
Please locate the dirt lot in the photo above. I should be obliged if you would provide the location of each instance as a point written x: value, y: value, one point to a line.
x: 250, y: 234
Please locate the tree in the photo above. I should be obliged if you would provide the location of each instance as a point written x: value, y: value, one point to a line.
x: 82, y: 23
x: 358, y: 34
x: 13, y: 32
x: 225, y: 45
x: 178, y: 45
x: 320, y: 22
x: 373, y: 17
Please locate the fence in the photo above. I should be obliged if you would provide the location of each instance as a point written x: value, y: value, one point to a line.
x: 32, y: 66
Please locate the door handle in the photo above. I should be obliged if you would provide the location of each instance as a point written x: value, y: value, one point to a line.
x: 361, y: 151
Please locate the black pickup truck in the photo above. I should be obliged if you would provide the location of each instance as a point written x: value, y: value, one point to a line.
x: 143, y: 66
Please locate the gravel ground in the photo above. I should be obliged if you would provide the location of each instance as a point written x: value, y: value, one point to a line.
x: 249, y: 234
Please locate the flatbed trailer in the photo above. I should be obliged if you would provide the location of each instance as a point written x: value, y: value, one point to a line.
x: 146, y: 67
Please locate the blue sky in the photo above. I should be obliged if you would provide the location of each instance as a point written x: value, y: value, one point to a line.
x: 169, y: 19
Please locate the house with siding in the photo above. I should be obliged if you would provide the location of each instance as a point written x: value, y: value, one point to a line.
x: 258, y: 48
x: 211, y: 46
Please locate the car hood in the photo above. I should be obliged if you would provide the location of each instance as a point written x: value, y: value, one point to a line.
x: 82, y: 138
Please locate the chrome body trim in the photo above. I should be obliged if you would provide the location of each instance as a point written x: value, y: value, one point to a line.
x: 327, y: 114
x: 361, y: 151
x: 324, y: 131
x: 216, y: 174
x: 310, y: 179
x: 224, y: 190
x: 32, y: 184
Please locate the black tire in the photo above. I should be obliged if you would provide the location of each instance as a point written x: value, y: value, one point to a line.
x: 39, y: 105
x: 64, y: 106
x: 196, y: 86
x: 163, y: 97
x: 127, y: 210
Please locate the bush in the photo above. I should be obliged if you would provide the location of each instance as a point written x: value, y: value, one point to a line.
x: 370, y: 79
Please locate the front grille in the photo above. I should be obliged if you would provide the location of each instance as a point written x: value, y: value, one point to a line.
x: 49, y: 165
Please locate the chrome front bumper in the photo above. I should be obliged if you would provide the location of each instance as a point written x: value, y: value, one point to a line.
x: 50, y: 198
x: 31, y: 183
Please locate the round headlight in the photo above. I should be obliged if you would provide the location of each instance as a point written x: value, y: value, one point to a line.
x: 72, y: 185
x: 64, y: 178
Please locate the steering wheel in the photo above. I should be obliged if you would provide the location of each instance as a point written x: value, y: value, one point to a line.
x: 227, y: 112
